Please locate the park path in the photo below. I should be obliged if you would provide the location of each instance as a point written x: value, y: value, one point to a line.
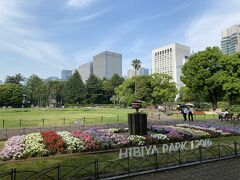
x: 6, y: 133
x: 220, y: 170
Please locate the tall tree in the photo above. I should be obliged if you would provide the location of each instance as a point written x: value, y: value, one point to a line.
x: 199, y: 73
x: 125, y: 92
x: 16, y: 79
x: 229, y: 76
x: 157, y: 88
x: 35, y: 90
x: 163, y: 88
x: 116, y: 80
x: 94, y: 90
x: 11, y: 95
x: 74, y: 89
x: 136, y: 64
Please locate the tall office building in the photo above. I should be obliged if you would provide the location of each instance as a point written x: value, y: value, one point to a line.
x: 66, y: 74
x: 106, y: 64
x: 52, y: 78
x: 169, y: 60
x: 230, y: 42
x: 85, y: 70
x: 141, y: 72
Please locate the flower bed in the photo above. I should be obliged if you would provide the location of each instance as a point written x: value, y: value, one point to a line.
x: 52, y: 143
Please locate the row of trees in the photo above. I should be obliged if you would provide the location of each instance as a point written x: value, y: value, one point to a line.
x: 211, y: 76
x: 57, y: 93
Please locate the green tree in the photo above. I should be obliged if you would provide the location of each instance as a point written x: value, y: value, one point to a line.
x: 199, y: 73
x: 16, y: 79
x: 55, y: 93
x: 94, y: 90
x: 35, y: 90
x: 125, y: 92
x: 11, y: 95
x: 74, y: 90
x: 110, y: 85
x: 116, y: 80
x: 136, y: 64
x: 163, y: 89
x: 107, y: 90
x: 229, y: 76
x: 144, y: 88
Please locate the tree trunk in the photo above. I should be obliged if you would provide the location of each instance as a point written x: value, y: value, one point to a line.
x: 135, y: 88
x: 230, y: 99
x: 214, y: 101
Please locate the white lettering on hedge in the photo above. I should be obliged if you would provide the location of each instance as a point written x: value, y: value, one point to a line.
x: 142, y: 151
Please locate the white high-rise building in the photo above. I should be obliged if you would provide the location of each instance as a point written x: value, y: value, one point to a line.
x: 169, y: 60
x: 85, y: 70
x: 106, y: 64
x: 141, y: 72
x: 230, y: 42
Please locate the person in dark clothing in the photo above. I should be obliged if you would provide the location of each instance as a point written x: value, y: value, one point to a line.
x: 190, y: 114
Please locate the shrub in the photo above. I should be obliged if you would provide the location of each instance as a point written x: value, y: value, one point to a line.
x: 53, y: 142
x: 13, y: 148
x: 73, y: 144
x: 89, y: 142
x: 34, y: 146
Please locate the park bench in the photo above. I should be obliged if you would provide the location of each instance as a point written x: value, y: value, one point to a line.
x: 237, y: 117
x: 228, y: 116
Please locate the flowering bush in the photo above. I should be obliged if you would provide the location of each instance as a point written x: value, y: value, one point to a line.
x: 34, y: 146
x: 136, y: 140
x: 73, y: 144
x: 160, y: 137
x: 105, y: 139
x: 89, y: 142
x: 54, y: 142
x: 41, y: 144
x: 13, y: 148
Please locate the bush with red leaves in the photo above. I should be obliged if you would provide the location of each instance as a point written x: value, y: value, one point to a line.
x: 54, y: 142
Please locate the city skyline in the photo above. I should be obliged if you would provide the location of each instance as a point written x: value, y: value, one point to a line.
x: 42, y: 37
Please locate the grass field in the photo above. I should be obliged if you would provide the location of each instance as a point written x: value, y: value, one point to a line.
x: 15, y: 118
x: 41, y: 163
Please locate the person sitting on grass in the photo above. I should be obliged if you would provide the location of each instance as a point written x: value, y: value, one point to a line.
x: 222, y: 114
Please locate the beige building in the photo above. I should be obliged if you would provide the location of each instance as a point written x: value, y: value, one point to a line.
x: 140, y: 72
x: 85, y: 70
x: 106, y: 64
x: 169, y: 60
x: 230, y: 40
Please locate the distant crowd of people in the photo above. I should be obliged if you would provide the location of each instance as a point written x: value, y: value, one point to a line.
x: 187, y: 111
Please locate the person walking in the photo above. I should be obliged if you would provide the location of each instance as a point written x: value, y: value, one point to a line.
x: 190, y: 114
x: 185, y: 112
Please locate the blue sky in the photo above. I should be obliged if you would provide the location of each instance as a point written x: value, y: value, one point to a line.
x: 45, y: 36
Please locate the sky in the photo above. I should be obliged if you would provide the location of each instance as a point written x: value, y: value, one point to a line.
x: 43, y: 37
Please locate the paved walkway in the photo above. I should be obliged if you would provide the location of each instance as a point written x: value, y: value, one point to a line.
x: 219, y: 170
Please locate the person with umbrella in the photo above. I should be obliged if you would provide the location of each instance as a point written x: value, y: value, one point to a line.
x: 190, y: 111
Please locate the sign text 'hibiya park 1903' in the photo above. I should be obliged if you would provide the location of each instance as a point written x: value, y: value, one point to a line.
x: 142, y: 151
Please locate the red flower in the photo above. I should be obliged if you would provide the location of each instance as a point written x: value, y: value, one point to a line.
x: 54, y: 142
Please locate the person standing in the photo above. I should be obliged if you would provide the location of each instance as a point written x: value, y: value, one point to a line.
x: 185, y: 112
x: 190, y: 114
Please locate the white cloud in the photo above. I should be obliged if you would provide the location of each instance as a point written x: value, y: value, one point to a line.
x: 82, y: 19
x: 205, y: 30
x: 79, y: 3
x: 18, y: 35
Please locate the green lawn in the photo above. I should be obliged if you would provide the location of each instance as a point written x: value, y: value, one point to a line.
x: 14, y: 118
x: 41, y: 163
